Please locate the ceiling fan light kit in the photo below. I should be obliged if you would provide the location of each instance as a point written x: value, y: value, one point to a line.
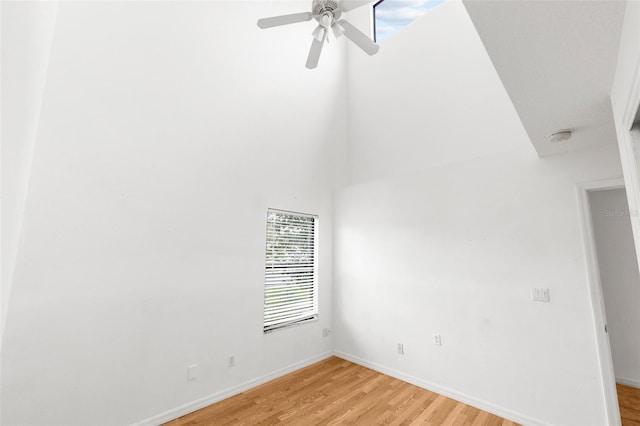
x: 338, y: 29
x: 327, y: 13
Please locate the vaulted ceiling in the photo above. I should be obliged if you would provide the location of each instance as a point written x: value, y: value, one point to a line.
x: 556, y: 60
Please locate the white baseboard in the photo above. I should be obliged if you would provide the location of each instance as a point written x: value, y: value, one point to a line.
x: 628, y: 382
x: 226, y: 393
x: 465, y: 399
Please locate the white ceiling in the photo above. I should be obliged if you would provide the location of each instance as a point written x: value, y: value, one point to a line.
x: 556, y: 60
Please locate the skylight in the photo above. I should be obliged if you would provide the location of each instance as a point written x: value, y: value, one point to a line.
x: 390, y: 16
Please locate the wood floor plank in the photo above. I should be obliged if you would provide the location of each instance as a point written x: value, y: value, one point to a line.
x: 370, y: 408
x: 349, y: 398
x: 471, y: 413
x: 481, y: 419
x: 434, y: 408
x: 441, y: 412
x: 336, y: 405
x: 420, y: 403
x: 494, y: 420
x: 455, y: 417
x: 338, y: 392
x: 629, y: 401
x: 400, y: 403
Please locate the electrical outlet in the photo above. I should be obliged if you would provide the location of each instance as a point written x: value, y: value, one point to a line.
x: 400, y: 349
x: 540, y: 295
x: 437, y: 340
x: 192, y: 372
x: 326, y: 332
x: 231, y: 361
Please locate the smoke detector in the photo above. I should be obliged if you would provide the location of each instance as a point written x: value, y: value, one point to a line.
x: 561, y: 136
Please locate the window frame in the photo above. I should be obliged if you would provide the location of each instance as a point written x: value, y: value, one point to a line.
x: 313, y: 312
x: 373, y: 11
x: 425, y: 7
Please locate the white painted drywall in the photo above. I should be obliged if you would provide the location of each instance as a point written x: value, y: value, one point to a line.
x: 450, y: 221
x: 557, y: 60
x: 456, y: 250
x: 628, y: 57
x: 620, y: 279
x: 625, y: 99
x: 430, y: 96
x: 27, y: 31
x: 167, y: 130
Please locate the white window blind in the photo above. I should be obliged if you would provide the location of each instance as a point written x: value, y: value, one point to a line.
x: 290, y: 295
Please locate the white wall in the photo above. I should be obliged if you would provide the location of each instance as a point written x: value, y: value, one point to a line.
x: 455, y: 250
x: 430, y: 96
x: 27, y: 30
x: 160, y: 146
x: 628, y: 58
x: 167, y: 130
x: 451, y: 220
x: 620, y: 280
x: 625, y: 99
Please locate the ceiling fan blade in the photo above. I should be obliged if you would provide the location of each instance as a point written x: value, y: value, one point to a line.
x: 276, y: 21
x: 347, y: 5
x: 315, y: 51
x: 359, y: 38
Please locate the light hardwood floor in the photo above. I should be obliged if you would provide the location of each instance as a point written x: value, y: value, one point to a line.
x: 338, y: 392
x: 629, y: 401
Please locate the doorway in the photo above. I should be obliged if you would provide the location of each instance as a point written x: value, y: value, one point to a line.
x: 615, y: 291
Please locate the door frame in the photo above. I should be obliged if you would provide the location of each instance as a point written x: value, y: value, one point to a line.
x: 605, y: 359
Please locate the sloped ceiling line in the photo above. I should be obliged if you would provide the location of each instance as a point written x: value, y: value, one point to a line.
x: 557, y: 65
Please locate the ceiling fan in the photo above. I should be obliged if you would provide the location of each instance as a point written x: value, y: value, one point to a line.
x: 327, y: 13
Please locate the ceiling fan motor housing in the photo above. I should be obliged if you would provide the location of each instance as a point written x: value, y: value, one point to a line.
x: 319, y: 8
x: 327, y: 13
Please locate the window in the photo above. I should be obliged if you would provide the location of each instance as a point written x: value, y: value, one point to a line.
x: 389, y: 16
x: 290, y: 291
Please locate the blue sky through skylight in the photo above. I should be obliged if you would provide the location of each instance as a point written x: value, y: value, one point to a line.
x: 393, y: 15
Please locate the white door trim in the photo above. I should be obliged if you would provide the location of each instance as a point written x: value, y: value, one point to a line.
x: 597, y: 299
x: 624, y: 125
